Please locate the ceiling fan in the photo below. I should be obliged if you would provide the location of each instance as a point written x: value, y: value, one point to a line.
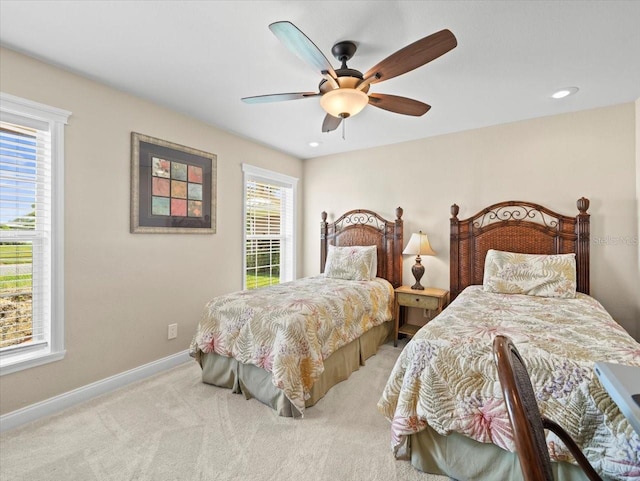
x: 344, y: 92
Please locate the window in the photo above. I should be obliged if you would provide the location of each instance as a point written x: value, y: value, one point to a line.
x: 31, y: 233
x: 269, y: 227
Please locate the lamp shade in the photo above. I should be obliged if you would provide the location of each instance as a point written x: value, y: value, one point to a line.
x: 419, y: 246
x: 344, y: 102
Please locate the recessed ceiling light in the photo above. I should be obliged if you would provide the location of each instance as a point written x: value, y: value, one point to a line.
x: 565, y: 92
x: 314, y: 144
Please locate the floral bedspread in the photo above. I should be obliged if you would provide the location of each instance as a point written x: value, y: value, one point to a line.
x: 446, y: 377
x: 290, y: 328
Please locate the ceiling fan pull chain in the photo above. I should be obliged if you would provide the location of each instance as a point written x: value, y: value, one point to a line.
x: 344, y: 121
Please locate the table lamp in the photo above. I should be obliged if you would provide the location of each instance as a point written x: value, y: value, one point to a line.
x: 418, y: 245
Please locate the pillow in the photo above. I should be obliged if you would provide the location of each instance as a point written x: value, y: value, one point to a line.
x: 373, y: 271
x: 356, y: 263
x: 530, y: 274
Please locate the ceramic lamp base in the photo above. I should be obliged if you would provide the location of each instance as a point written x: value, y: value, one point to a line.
x: 418, y: 271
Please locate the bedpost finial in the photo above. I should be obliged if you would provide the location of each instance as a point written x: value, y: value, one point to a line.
x: 399, y: 212
x: 454, y: 211
x: 583, y: 205
x: 324, y: 216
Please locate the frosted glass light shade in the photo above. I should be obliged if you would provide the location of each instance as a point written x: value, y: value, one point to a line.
x: 344, y: 102
x: 419, y: 246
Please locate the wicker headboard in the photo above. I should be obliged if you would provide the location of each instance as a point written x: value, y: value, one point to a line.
x: 516, y: 226
x: 365, y: 228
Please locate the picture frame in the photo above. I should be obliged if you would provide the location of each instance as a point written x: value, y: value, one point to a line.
x: 173, y: 188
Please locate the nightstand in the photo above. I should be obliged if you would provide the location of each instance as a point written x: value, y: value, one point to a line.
x: 430, y: 298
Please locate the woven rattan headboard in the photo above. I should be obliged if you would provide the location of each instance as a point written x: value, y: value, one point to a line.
x: 365, y: 228
x: 516, y: 226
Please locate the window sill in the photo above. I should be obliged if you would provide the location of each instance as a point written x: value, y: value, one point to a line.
x: 24, y: 360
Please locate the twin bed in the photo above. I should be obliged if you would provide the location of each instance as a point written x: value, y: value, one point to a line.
x: 287, y: 345
x: 443, y: 397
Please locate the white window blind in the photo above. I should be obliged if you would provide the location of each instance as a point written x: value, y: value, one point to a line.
x: 269, y: 220
x: 25, y: 221
x: 31, y: 310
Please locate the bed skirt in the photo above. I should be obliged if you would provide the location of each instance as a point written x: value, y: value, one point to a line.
x: 462, y: 458
x: 255, y: 382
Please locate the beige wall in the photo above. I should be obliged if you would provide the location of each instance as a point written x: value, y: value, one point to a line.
x: 122, y: 289
x: 637, y: 239
x: 552, y: 161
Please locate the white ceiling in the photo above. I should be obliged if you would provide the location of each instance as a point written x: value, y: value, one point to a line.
x: 201, y: 57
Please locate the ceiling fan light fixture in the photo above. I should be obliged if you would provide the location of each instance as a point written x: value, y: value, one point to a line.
x: 344, y: 102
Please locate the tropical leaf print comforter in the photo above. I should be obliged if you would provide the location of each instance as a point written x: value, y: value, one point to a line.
x: 290, y: 328
x: 446, y: 377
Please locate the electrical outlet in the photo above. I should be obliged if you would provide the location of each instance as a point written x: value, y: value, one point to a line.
x: 172, y: 331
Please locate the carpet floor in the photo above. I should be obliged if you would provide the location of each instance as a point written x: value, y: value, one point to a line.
x: 174, y: 427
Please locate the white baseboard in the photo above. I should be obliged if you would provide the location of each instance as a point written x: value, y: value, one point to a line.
x: 56, y: 404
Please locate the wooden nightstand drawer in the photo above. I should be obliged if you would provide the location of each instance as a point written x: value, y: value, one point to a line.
x: 412, y: 300
x: 430, y: 298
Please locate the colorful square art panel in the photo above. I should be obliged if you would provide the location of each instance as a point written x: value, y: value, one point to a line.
x: 159, y: 205
x: 179, y: 207
x: 195, y: 208
x: 195, y: 191
x: 160, y: 167
x: 173, y: 187
x: 160, y: 186
x: 178, y: 171
x: 195, y: 174
x: 178, y: 189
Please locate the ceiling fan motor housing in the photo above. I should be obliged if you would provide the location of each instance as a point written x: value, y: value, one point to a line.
x: 345, y: 99
x: 349, y: 82
x: 346, y: 77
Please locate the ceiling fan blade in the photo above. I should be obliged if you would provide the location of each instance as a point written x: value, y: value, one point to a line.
x: 330, y: 123
x: 261, y: 99
x: 399, y: 105
x: 413, y: 56
x: 299, y: 44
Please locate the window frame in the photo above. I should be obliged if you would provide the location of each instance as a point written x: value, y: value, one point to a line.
x: 13, y: 359
x: 288, y: 245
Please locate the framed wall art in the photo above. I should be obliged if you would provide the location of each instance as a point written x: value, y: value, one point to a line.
x: 173, y: 188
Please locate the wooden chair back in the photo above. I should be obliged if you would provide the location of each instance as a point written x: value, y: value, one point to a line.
x: 527, y: 422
